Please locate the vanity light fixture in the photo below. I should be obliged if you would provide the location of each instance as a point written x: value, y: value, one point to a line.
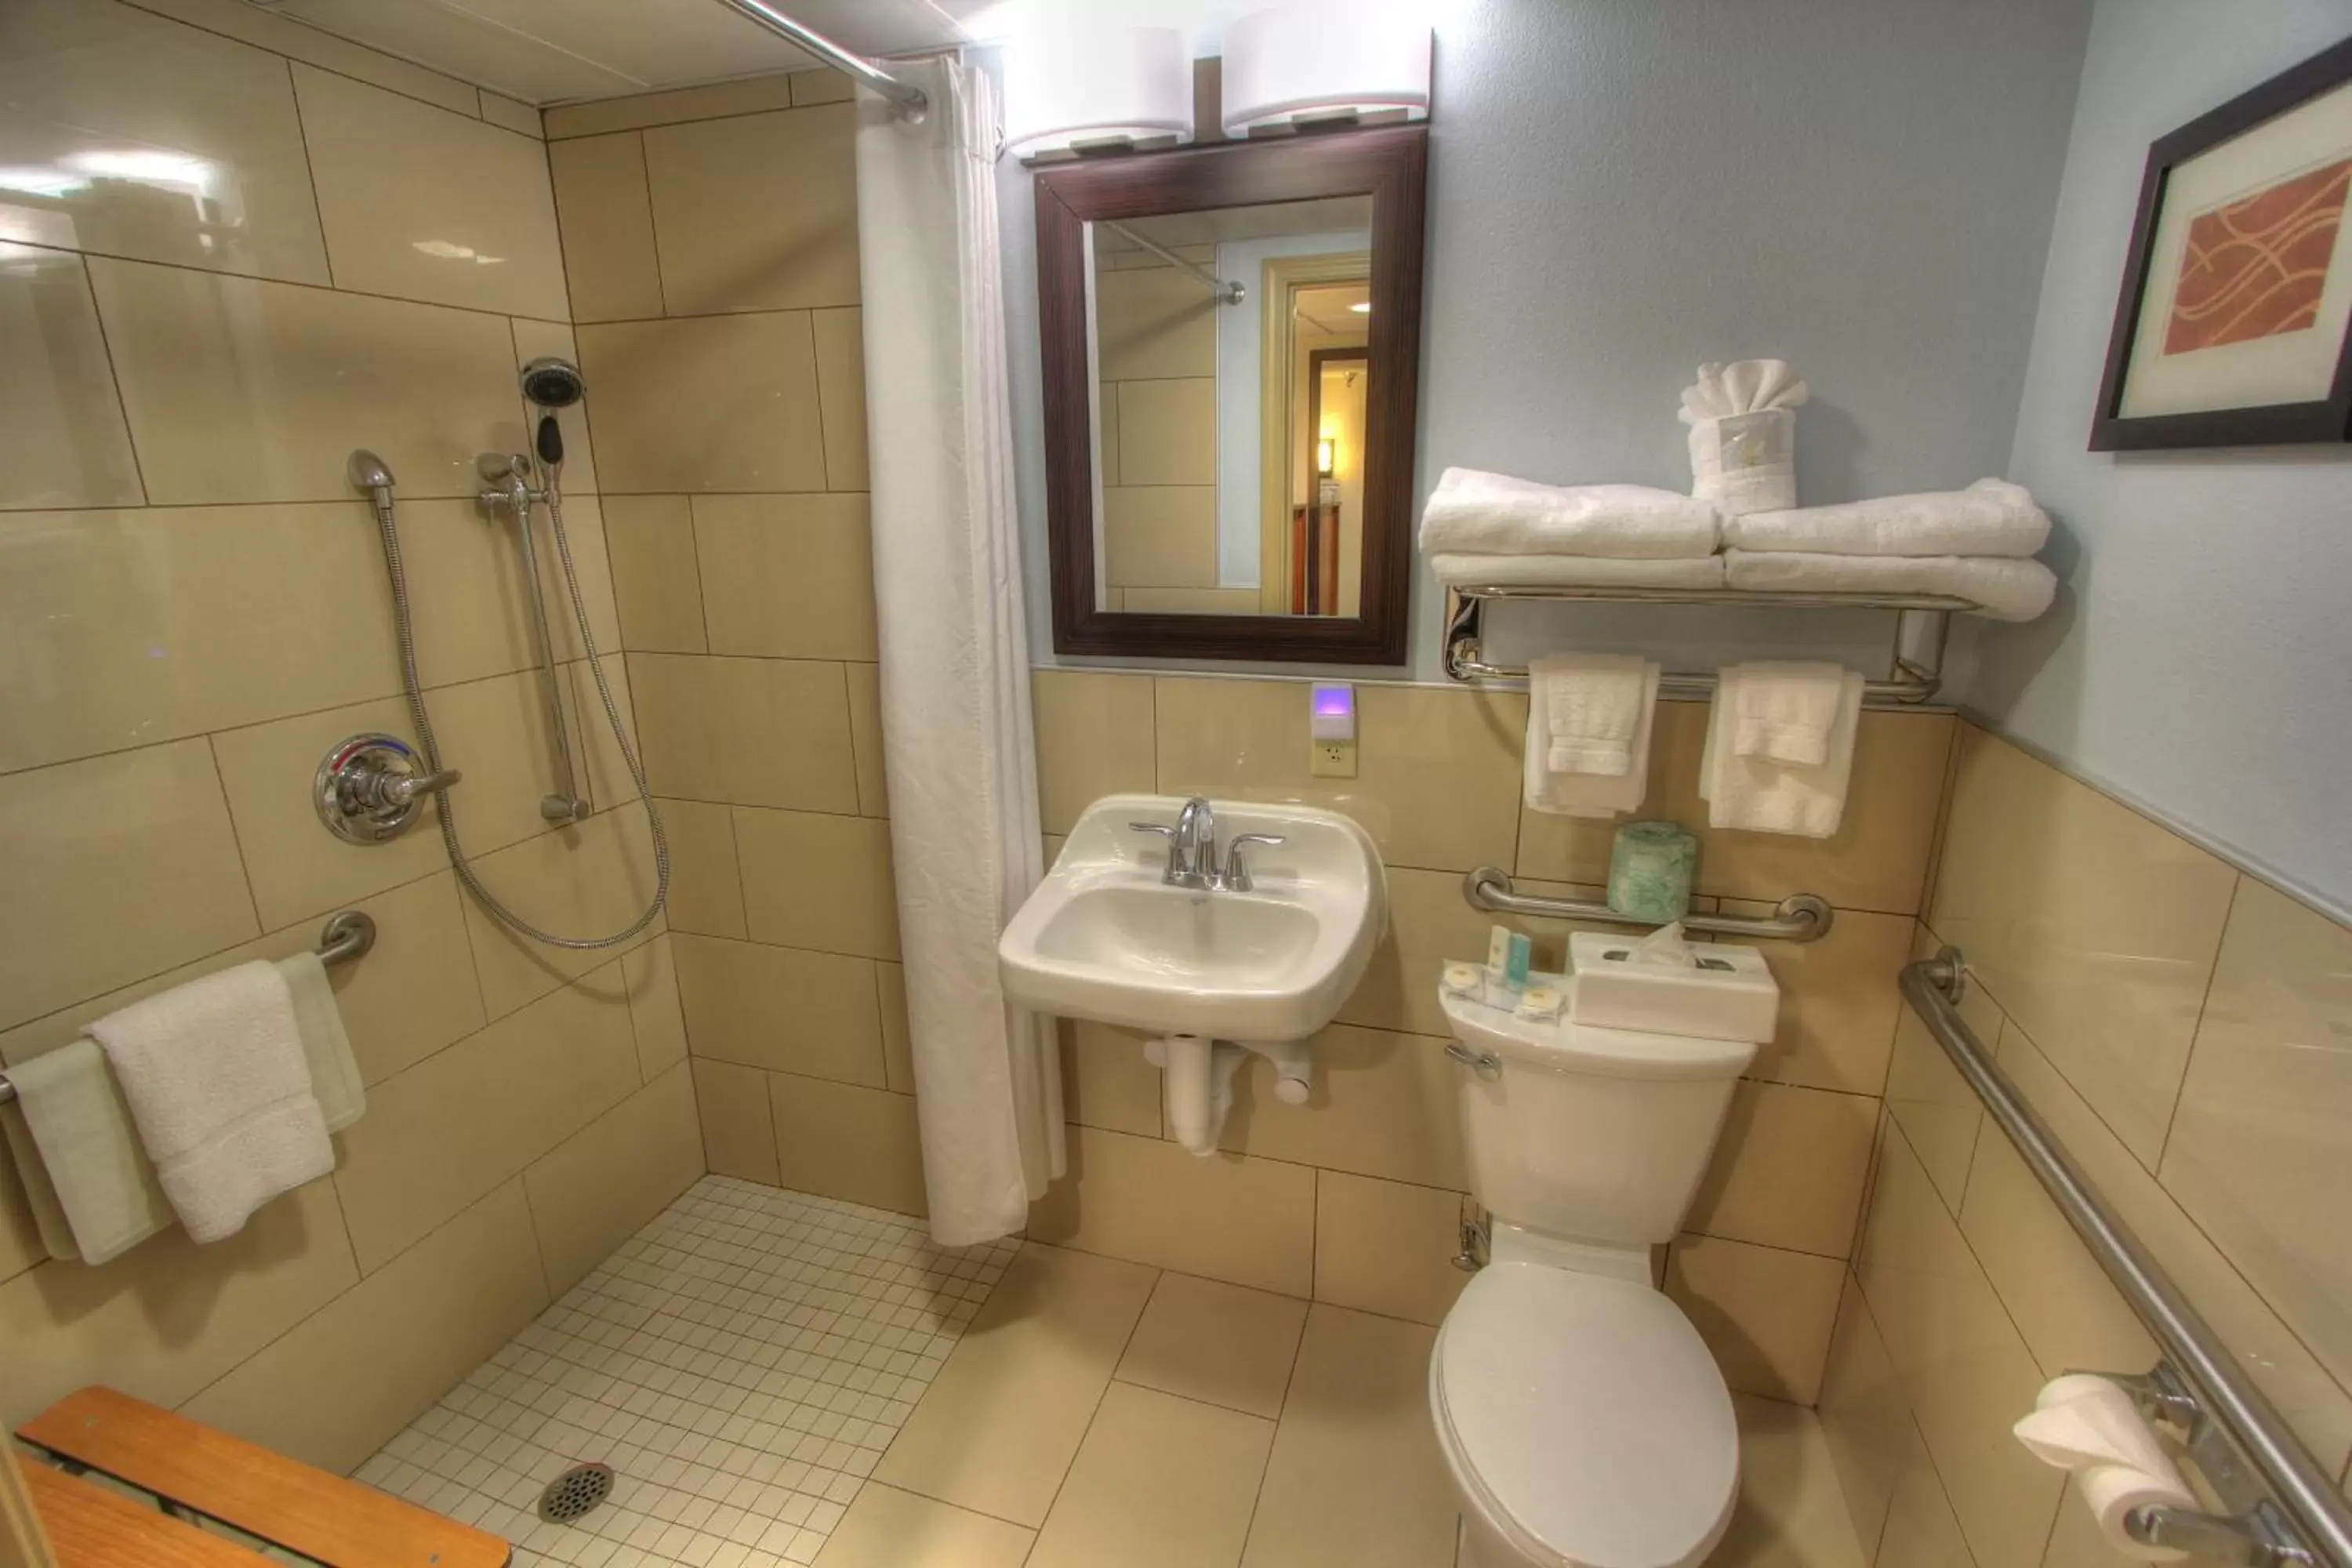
x: 1075, y: 84
x: 1306, y: 61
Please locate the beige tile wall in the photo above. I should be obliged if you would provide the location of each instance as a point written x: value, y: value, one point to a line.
x: 2182, y: 1026
x: 1159, y: 423
x: 197, y: 609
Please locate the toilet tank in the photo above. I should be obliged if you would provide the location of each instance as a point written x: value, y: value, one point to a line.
x: 1596, y: 1134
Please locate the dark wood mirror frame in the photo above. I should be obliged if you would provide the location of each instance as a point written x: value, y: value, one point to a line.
x: 1388, y: 164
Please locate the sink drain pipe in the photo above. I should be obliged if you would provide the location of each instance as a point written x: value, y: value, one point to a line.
x: 1197, y: 1081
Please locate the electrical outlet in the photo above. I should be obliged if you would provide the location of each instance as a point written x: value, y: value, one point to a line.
x: 1331, y: 759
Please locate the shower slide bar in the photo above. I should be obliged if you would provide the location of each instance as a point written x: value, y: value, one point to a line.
x: 2285, y: 1508
x: 912, y: 102
x: 343, y: 938
x: 1800, y: 917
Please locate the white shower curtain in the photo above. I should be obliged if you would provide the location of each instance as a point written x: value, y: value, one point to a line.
x: 955, y: 658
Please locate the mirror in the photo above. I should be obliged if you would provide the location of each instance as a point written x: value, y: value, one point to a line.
x: 1231, y: 341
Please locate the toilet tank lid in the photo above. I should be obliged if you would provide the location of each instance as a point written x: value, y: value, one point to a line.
x: 1565, y: 1047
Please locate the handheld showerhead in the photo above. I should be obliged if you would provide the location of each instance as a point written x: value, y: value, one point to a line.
x: 553, y: 383
x: 368, y: 471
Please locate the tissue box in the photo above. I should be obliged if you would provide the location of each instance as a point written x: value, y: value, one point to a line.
x: 1726, y: 993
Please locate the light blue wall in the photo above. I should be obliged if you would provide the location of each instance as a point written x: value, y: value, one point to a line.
x: 2200, y: 662
x: 1619, y: 189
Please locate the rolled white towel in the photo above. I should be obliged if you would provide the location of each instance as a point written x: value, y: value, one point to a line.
x: 1460, y: 570
x: 1743, y: 434
x: 2001, y: 588
x: 1495, y: 514
x: 1991, y: 517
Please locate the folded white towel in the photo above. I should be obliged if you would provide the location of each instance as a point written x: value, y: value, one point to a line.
x: 1991, y: 517
x: 2000, y: 588
x: 1743, y: 434
x: 1495, y: 514
x: 1784, y: 713
x: 335, y: 1081
x: 94, y: 1195
x: 1464, y: 571
x: 1759, y: 795
x: 1595, y: 702
x: 1586, y: 794
x: 215, y: 1075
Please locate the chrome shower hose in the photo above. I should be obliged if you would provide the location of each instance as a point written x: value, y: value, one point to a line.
x: 431, y: 748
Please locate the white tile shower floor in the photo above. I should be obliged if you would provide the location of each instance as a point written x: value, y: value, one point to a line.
x: 740, y: 1364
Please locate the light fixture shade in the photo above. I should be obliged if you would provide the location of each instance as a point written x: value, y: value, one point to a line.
x: 1314, y: 57
x: 1074, y: 79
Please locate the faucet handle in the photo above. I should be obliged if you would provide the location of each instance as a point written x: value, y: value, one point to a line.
x: 1175, y: 845
x: 1236, y: 878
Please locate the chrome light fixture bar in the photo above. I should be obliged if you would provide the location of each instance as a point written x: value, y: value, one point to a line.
x: 912, y: 102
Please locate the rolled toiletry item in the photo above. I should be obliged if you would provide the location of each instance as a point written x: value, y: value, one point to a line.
x: 1743, y: 434
x: 2089, y: 1426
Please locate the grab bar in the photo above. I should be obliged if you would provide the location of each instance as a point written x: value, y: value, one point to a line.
x: 2312, y: 1522
x: 1800, y: 917
x: 345, y: 936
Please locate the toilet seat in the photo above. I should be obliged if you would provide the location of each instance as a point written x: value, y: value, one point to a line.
x: 1585, y: 1419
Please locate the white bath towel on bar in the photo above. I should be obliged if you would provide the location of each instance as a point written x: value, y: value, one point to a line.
x: 217, y: 1085
x: 1595, y: 704
x: 1462, y: 571
x: 1495, y: 514
x: 1601, y: 796
x: 2001, y: 588
x: 1785, y: 712
x: 93, y: 1193
x: 1991, y: 517
x: 1759, y: 795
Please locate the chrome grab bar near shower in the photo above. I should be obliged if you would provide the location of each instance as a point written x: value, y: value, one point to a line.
x: 344, y: 937
x: 2288, y: 1510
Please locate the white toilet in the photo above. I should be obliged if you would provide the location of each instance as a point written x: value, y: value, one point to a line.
x: 1585, y: 1423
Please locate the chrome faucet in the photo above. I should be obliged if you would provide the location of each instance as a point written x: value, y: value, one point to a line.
x: 1192, y: 850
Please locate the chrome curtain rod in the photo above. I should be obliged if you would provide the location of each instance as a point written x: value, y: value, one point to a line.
x: 912, y: 102
x: 1226, y: 293
x: 2304, y: 1519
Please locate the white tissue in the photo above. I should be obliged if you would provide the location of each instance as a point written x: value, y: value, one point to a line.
x: 1663, y: 947
x: 2087, y: 1425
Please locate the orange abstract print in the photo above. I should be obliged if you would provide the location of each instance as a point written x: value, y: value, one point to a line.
x: 2256, y: 268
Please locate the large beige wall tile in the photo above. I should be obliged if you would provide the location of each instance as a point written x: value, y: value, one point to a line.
x: 822, y: 86
x: 750, y: 732
x: 706, y: 888
x: 236, y: 19
x: 998, y: 1427
x: 1789, y: 1170
x: 20, y: 1237
x: 1382, y: 1105
x: 1438, y: 772
x: 591, y: 879
x: 498, y: 733
x: 396, y: 223
x: 1355, y: 1477
x: 168, y: 1317
x: 331, y: 1392
x: 1094, y: 739
x: 749, y: 96
x: 439, y: 1136
x: 1247, y: 1222
x: 2094, y: 928
x: 842, y: 1141
x: 468, y: 594
x: 866, y: 738
x: 243, y: 391
x: 1921, y: 1531
x: 2262, y: 1145
x: 1386, y: 1246
x: 887, y: 1527
x: 1168, y: 432
x: 1154, y: 321
x: 656, y: 580
x: 841, y: 389
x: 1837, y: 1001
x: 758, y: 211
x: 1106, y: 1080
x: 1790, y: 1512
x: 1865, y: 1416
x: 513, y: 114
x: 787, y: 576
x: 1221, y: 1343
x: 780, y: 1009
x: 818, y: 881
x: 602, y: 769
x: 654, y: 1012
x: 117, y: 866
x: 707, y: 403
x: 63, y: 442
x: 1160, y: 536
x: 608, y: 227
x: 1159, y: 1483
x: 1767, y: 1314
x: 739, y: 1136
x: 897, y: 1033
x: 86, y: 81
x: 1430, y: 922
x: 597, y: 1188
x: 1939, y: 1112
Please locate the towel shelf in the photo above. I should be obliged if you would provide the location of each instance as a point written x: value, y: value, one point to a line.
x: 1922, y: 621
x: 1800, y: 917
x: 345, y: 936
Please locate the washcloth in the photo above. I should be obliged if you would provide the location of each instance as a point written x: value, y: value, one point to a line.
x: 1743, y: 434
x: 1586, y: 794
x: 1495, y: 514
x: 1785, y: 712
x: 215, y: 1075
x: 1595, y: 704
x: 335, y: 1080
x: 1575, y: 572
x: 94, y: 1195
x: 1991, y: 517
x: 1999, y: 587
x: 1759, y: 795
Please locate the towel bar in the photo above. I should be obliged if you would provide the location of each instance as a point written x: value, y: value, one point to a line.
x: 345, y: 936
x: 1800, y: 917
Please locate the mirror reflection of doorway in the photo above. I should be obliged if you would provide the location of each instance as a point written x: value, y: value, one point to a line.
x: 1328, y: 526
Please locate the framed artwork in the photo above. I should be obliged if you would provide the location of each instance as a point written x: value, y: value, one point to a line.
x: 2237, y: 293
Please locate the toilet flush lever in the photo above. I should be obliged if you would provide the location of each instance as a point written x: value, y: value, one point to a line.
x: 1486, y: 1064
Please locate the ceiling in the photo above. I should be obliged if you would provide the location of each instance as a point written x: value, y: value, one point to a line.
x: 555, y: 51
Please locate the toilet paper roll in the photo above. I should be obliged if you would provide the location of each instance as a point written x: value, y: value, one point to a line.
x: 2087, y: 1425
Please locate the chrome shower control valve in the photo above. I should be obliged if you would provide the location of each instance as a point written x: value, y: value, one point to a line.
x: 370, y: 788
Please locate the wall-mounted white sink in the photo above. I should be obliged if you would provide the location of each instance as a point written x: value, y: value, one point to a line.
x: 1105, y: 937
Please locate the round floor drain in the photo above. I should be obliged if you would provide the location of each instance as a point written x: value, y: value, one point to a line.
x: 574, y: 1492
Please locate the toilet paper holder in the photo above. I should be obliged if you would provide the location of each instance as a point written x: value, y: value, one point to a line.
x: 2256, y: 1533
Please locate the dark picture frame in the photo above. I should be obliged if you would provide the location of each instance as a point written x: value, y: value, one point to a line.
x: 2321, y: 419
x: 1389, y: 165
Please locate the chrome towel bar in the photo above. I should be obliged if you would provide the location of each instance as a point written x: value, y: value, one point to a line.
x: 1800, y: 917
x: 2288, y: 1510
x: 343, y: 938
